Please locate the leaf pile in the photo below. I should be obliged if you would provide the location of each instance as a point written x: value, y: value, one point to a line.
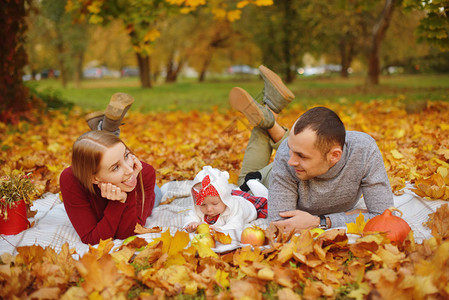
x: 415, y: 149
x: 293, y: 267
x: 178, y: 144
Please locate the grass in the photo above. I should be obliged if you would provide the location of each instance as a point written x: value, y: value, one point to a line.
x: 188, y: 94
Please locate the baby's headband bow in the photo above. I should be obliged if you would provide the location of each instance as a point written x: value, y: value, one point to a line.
x: 206, y: 190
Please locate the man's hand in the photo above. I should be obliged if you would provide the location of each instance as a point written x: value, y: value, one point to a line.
x: 297, y: 221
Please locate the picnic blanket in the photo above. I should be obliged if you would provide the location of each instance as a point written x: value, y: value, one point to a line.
x: 52, y: 227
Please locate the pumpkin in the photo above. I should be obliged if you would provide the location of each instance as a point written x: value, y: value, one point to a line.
x: 396, y: 228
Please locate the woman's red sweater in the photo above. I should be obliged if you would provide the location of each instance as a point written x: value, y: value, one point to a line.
x: 96, y: 218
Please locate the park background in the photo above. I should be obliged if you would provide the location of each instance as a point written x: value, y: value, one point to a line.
x: 381, y: 65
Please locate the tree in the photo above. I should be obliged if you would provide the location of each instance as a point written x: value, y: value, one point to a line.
x: 14, y: 96
x: 341, y: 30
x: 434, y: 27
x: 400, y: 39
x: 68, y: 39
x: 379, y: 30
x: 174, y: 44
x: 283, y: 33
x: 142, y: 19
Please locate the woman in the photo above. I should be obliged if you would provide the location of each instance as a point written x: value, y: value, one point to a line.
x: 107, y: 190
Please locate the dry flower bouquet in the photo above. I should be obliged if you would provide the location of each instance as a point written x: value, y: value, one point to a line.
x: 16, y: 194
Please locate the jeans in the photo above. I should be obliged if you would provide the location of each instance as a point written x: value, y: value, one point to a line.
x: 157, y: 196
x: 258, y: 154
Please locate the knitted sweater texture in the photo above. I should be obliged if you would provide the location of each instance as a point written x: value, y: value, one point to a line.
x: 360, y: 171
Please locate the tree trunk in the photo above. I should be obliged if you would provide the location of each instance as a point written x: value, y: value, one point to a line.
x: 205, y: 66
x: 286, y: 43
x: 79, y: 69
x: 378, y: 34
x: 14, y: 96
x: 62, y: 67
x: 144, y: 69
x: 170, y: 68
x: 173, y: 72
x: 346, y: 54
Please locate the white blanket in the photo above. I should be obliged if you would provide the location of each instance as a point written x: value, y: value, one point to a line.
x: 52, y: 227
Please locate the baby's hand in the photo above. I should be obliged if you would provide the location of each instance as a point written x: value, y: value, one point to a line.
x: 112, y: 192
x: 137, y: 164
x: 191, y: 227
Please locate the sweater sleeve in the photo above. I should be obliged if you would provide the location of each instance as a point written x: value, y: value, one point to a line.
x: 283, y: 192
x: 82, y: 214
x: 375, y: 187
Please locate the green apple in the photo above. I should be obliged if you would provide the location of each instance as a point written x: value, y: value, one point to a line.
x: 203, y: 240
x: 203, y: 228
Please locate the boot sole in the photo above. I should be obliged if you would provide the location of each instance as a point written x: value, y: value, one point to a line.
x: 92, y: 115
x: 244, y: 103
x: 277, y: 82
x: 93, y: 119
x: 118, y: 106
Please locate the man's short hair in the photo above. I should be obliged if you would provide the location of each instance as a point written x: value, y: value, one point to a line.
x: 326, y: 123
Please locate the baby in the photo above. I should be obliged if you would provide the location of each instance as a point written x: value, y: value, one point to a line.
x: 216, y: 203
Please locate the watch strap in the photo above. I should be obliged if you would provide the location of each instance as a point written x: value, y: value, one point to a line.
x: 323, y: 222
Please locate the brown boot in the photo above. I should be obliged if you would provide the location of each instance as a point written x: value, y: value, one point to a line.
x: 93, y: 119
x: 275, y: 94
x: 116, y: 110
x: 257, y: 115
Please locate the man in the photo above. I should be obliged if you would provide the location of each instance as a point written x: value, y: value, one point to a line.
x: 320, y: 170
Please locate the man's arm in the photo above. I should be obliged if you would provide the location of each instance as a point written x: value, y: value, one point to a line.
x: 375, y: 187
x: 283, y: 186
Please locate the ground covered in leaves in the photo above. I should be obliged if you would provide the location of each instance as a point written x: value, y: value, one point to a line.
x: 415, y: 147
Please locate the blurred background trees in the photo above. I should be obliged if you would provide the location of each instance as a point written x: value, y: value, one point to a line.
x: 161, y: 40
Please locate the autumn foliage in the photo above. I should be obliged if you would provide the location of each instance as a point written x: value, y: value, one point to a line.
x: 293, y: 267
x: 415, y: 148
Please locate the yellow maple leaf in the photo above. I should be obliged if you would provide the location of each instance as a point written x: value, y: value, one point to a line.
x: 151, y: 35
x: 222, y: 237
x: 263, y: 2
x: 361, y: 292
x: 246, y: 254
x: 287, y: 251
x: 242, y: 4
x: 221, y: 278
x: 178, y: 275
x: 234, y: 15
x: 357, y: 227
x: 396, y: 154
x: 219, y: 13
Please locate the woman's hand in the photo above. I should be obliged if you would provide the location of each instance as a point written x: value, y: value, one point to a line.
x: 191, y: 227
x: 137, y: 164
x: 112, y: 192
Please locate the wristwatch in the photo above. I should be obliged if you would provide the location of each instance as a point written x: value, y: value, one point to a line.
x: 323, y: 222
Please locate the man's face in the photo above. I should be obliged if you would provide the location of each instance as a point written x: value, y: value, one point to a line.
x: 307, y: 160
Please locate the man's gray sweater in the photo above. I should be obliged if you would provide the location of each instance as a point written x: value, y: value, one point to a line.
x: 360, y: 171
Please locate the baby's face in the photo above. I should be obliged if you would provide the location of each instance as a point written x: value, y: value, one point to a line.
x: 212, y: 206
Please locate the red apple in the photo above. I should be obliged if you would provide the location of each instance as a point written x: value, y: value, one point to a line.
x: 254, y: 236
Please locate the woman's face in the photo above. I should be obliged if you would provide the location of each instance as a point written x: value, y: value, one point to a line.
x: 118, y: 168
